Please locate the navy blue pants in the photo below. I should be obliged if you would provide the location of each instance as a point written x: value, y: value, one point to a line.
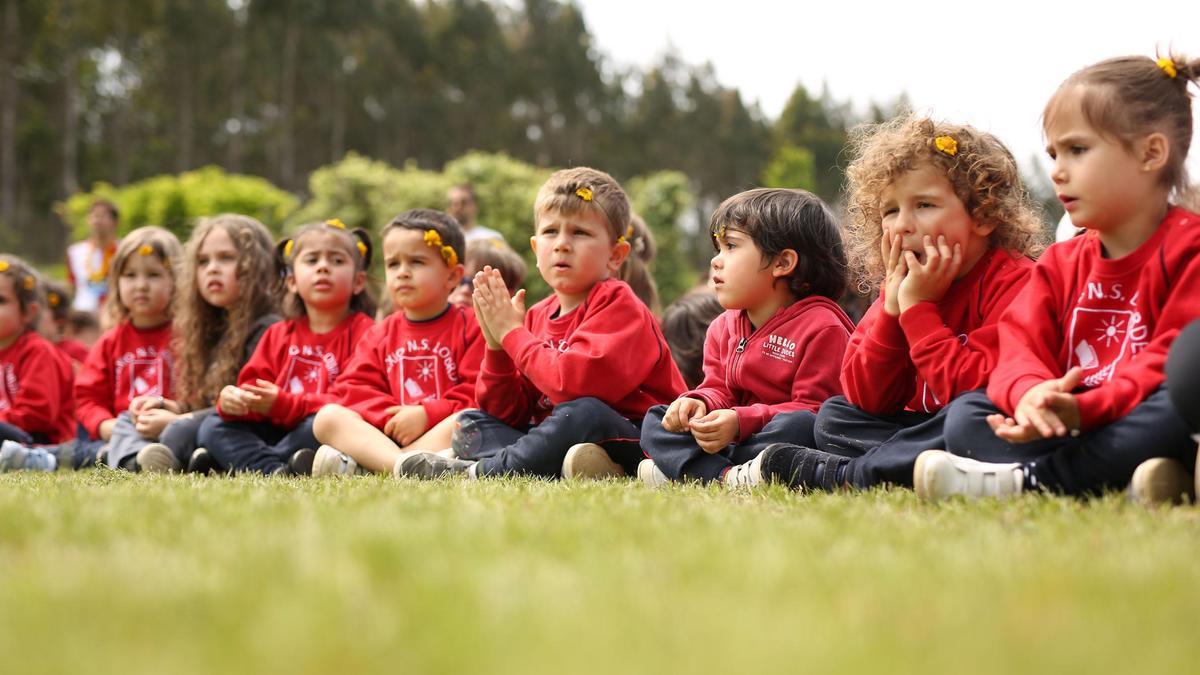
x: 12, y: 432
x: 254, y: 446
x: 883, y: 448
x: 540, y: 450
x: 1097, y: 460
x: 1183, y: 375
x: 678, y: 455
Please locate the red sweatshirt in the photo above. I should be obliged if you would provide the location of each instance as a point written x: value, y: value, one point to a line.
x: 430, y: 363
x: 935, y: 351
x: 304, y: 364
x: 610, y: 347
x: 125, y: 363
x: 35, y: 389
x: 790, y: 363
x: 75, y: 351
x: 1114, y: 318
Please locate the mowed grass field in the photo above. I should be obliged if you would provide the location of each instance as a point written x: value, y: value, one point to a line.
x: 107, y: 572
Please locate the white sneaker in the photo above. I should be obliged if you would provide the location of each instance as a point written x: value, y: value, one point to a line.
x: 157, y: 458
x: 650, y: 474
x: 330, y: 461
x: 17, y: 457
x: 588, y: 460
x: 1160, y: 480
x: 745, y: 475
x: 939, y: 474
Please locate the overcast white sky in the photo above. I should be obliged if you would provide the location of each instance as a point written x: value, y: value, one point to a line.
x: 992, y: 65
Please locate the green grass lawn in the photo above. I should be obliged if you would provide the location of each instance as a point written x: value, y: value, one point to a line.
x: 111, y: 572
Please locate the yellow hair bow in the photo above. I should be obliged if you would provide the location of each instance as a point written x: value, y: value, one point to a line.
x: 287, y: 248
x: 336, y: 222
x: 720, y: 233
x: 146, y: 249
x: 1168, y: 67
x: 53, y: 299
x: 584, y: 193
x: 3, y: 265
x: 946, y: 144
x: 434, y: 240
x: 29, y: 283
x: 362, y: 249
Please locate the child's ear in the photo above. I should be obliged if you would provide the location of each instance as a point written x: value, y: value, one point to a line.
x: 360, y: 282
x: 1154, y: 151
x: 620, y: 251
x: 533, y: 244
x: 983, y: 229
x: 785, y: 263
x: 289, y: 280
x: 456, y: 276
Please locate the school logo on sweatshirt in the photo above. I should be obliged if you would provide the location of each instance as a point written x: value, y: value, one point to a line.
x: 304, y: 376
x: 9, y: 387
x: 420, y: 378
x: 147, y: 369
x: 1105, y: 333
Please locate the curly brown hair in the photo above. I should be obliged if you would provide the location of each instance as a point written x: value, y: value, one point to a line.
x: 162, y: 244
x: 982, y: 172
x: 209, y: 341
x: 1129, y: 96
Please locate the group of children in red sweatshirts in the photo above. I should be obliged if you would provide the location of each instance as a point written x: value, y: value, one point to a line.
x: 976, y: 372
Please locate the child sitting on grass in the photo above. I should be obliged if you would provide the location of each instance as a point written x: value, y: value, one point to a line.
x: 414, y: 371
x: 778, y: 272
x: 939, y: 219
x: 265, y: 421
x: 1076, y: 403
x: 563, y: 386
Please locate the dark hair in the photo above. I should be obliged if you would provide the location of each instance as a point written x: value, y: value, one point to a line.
x: 108, y: 206
x: 777, y: 220
x: 26, y: 283
x: 494, y: 252
x: 684, y: 326
x: 423, y: 220
x: 80, y: 321
x: 58, y: 298
x: 358, y: 245
x: 1134, y: 95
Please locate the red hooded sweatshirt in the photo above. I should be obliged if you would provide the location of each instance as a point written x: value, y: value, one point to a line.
x: 1114, y: 318
x: 610, y: 347
x: 304, y: 364
x: 791, y: 362
x: 126, y: 362
x: 430, y: 363
x: 933, y: 352
x: 35, y: 388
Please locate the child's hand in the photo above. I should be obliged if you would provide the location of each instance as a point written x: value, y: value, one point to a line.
x: 1047, y: 410
x: 895, y: 269
x: 150, y: 423
x: 681, y: 412
x: 260, y: 396
x: 716, y: 430
x: 928, y: 282
x: 231, y: 401
x: 142, y: 403
x: 407, y: 423
x: 493, y: 305
x: 492, y: 342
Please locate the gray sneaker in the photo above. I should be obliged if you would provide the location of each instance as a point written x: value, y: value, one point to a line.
x: 1161, y: 480
x: 158, y: 458
x: 588, y: 460
x: 329, y: 461
x: 17, y: 457
x: 430, y: 465
x: 651, y: 475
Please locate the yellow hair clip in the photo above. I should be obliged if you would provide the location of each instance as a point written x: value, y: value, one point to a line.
x: 434, y: 240
x: 336, y: 222
x: 146, y: 249
x: 720, y: 233
x: 1168, y: 66
x: 53, y: 299
x: 29, y: 283
x: 584, y: 193
x: 362, y: 249
x: 946, y: 144
x: 3, y: 265
x: 287, y: 248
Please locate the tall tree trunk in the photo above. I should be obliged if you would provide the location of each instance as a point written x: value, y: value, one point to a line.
x: 237, y: 99
x: 287, y: 101
x: 8, y: 118
x: 185, y: 121
x: 338, y: 102
x: 68, y: 183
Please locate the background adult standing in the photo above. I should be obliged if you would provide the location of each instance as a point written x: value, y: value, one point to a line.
x: 461, y: 203
x: 88, y: 260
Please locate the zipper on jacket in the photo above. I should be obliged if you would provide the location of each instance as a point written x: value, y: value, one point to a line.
x: 741, y: 345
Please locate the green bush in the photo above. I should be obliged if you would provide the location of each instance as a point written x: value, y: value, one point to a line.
x: 175, y: 202
x: 662, y: 199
